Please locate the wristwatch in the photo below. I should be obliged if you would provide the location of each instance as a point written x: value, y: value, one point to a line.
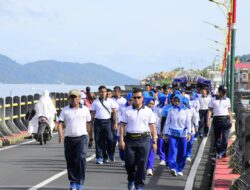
x: 154, y: 142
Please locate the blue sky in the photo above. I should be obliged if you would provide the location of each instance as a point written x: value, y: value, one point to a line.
x: 134, y: 37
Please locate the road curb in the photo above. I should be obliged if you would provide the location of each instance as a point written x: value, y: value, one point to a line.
x: 15, y: 138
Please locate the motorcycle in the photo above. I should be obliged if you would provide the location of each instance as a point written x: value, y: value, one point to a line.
x: 44, y: 133
x: 41, y: 119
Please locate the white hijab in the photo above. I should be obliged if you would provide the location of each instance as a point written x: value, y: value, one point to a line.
x: 45, y: 106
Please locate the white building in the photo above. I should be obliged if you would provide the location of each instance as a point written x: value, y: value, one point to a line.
x: 216, y: 78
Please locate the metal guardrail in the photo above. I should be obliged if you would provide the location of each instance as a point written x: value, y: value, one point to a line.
x: 13, y: 111
x: 240, y: 151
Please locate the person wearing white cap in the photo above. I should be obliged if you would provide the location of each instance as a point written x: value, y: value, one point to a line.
x: 76, y: 118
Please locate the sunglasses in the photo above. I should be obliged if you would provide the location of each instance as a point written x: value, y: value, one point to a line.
x: 137, y: 97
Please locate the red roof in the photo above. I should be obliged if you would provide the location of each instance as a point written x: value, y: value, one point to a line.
x: 242, y: 66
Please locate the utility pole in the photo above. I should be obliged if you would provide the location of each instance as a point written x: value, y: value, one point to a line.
x: 229, y: 21
x: 232, y: 65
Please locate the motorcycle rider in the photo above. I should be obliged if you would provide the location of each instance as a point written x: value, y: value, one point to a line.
x: 43, y: 108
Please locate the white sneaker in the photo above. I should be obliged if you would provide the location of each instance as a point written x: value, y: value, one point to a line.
x: 188, y: 159
x: 180, y: 174
x: 105, y: 160
x: 123, y: 163
x: 150, y: 172
x: 162, y: 163
x: 173, y: 172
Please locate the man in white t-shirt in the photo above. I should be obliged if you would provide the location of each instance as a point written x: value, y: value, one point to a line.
x: 204, y: 101
x: 222, y: 121
x: 101, y: 110
x: 76, y: 118
x: 121, y: 102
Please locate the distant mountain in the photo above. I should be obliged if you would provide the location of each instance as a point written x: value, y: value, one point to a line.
x: 55, y: 72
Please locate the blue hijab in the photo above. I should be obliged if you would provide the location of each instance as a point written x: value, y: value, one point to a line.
x: 148, y: 94
x: 194, y: 96
x: 177, y: 92
x: 162, y: 99
x: 186, y: 102
x: 129, y: 96
x: 147, y: 99
x: 181, y: 106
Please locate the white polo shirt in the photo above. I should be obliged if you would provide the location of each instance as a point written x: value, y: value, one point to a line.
x: 75, y: 121
x: 138, y: 121
x: 122, y: 104
x: 220, y: 106
x: 204, y: 102
x: 100, y: 111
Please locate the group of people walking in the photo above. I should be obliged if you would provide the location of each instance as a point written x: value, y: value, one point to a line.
x: 161, y: 122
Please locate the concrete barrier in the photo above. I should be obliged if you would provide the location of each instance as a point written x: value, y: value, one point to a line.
x: 30, y: 102
x: 66, y: 99
x: 3, y: 128
x: 17, y: 114
x: 36, y: 97
x: 62, y: 103
x: 57, y: 102
x: 13, y: 124
x: 9, y: 115
x: 24, y: 110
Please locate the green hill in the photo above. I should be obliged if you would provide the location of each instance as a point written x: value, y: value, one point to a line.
x: 56, y: 72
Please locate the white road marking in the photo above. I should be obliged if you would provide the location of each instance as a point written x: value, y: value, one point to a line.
x: 54, y: 177
x: 192, y: 173
x: 13, y: 146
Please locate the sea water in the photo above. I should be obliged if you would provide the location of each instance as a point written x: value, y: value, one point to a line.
x: 31, y: 89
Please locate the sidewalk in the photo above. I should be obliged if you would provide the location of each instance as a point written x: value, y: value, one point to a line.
x: 223, y: 176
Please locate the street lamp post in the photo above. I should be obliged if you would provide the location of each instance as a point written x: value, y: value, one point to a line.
x: 232, y: 71
x: 226, y: 56
x: 228, y: 49
x: 231, y: 51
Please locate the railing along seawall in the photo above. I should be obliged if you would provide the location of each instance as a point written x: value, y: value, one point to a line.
x: 240, y: 151
x: 13, y: 125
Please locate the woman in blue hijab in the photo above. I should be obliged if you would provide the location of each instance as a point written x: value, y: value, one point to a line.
x: 129, y: 99
x: 177, y: 131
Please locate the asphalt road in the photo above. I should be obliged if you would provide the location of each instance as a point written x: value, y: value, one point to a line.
x: 27, y: 165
